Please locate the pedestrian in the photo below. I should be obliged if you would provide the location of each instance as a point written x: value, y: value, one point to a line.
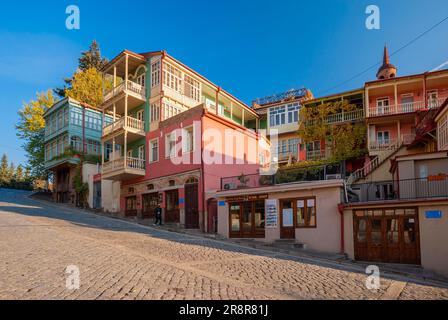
x: 158, y: 214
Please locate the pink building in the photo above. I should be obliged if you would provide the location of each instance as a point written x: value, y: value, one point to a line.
x: 394, y: 105
x: 173, y: 135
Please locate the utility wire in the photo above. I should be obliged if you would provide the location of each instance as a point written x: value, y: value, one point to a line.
x: 392, y: 54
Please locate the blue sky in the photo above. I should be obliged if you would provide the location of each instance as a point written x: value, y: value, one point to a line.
x: 250, y: 48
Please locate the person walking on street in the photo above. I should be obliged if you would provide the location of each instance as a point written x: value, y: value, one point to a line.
x: 158, y: 214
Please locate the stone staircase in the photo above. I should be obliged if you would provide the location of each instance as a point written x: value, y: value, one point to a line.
x: 374, y: 163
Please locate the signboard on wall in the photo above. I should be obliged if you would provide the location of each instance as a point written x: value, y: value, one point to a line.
x: 433, y: 214
x: 271, y: 213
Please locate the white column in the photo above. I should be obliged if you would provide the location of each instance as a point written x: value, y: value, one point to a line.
x: 126, y: 72
x: 367, y: 102
x: 396, y: 98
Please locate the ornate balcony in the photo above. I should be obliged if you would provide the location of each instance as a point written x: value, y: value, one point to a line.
x: 404, y: 107
x: 136, y: 95
x: 123, y: 168
x: 134, y: 127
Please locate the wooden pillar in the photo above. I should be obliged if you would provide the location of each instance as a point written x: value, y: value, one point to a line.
x: 113, y: 152
x: 126, y: 71
x: 115, y: 76
x: 396, y: 98
x: 367, y: 103
x: 125, y: 148
x: 398, y: 132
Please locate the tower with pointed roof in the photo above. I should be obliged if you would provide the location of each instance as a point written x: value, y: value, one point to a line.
x: 387, y: 70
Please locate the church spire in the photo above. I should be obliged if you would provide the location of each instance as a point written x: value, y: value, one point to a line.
x: 387, y: 70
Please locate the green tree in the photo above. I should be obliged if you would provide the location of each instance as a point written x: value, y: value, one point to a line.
x: 31, y: 128
x: 89, y: 59
x: 4, y: 169
x: 19, y: 173
x: 11, y: 172
x: 92, y: 58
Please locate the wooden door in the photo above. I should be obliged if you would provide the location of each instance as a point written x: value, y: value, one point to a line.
x: 287, y: 218
x: 375, y: 239
x: 150, y: 202
x: 212, y: 210
x: 191, y: 206
x: 360, y: 237
x: 410, y: 244
x: 172, y: 206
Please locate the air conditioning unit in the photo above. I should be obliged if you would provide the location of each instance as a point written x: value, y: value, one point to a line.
x: 333, y: 176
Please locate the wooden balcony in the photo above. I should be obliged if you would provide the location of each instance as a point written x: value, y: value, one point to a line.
x: 317, y: 154
x: 135, y: 129
x: 404, y: 108
x: 136, y: 96
x: 123, y: 169
x: 341, y: 117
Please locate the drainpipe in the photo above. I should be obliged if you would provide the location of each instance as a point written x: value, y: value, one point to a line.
x: 202, y: 175
x: 341, y: 212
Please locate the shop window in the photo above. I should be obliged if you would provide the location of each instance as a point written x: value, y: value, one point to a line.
x: 131, y: 204
x: 306, y: 213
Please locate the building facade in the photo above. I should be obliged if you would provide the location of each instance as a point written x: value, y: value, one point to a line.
x: 279, y: 115
x: 169, y: 138
x: 72, y: 130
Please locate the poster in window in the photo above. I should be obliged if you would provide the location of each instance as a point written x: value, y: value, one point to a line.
x: 271, y: 213
x: 288, y: 220
x: 300, y: 203
x: 310, y: 203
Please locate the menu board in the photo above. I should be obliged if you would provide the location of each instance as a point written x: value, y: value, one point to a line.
x: 271, y: 213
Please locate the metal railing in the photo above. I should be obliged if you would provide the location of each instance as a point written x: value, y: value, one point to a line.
x: 309, y: 173
x: 317, y: 154
x: 406, y: 189
x: 290, y: 94
x: 341, y: 117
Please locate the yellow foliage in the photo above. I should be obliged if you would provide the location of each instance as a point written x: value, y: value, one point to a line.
x: 87, y: 87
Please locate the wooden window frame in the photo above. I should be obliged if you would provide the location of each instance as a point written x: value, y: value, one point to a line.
x: 294, y: 201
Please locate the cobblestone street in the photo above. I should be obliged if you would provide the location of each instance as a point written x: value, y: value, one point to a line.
x: 122, y: 260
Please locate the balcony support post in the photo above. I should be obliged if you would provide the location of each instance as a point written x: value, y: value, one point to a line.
x: 367, y: 106
x: 398, y: 132
x: 396, y: 98
x: 125, y: 149
x: 126, y: 72
x: 115, y: 76
x: 113, y: 152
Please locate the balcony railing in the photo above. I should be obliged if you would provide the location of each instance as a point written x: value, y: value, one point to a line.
x: 127, y: 123
x: 383, y: 145
x: 132, y: 87
x: 341, y: 117
x: 407, y: 189
x: 119, y: 164
x: 404, y: 107
x: 317, y: 154
x: 309, y: 173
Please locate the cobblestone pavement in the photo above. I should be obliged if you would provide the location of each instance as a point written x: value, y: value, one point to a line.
x: 121, y: 260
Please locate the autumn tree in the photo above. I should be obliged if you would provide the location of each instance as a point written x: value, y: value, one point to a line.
x: 31, y: 128
x: 87, y: 87
x: 89, y: 59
